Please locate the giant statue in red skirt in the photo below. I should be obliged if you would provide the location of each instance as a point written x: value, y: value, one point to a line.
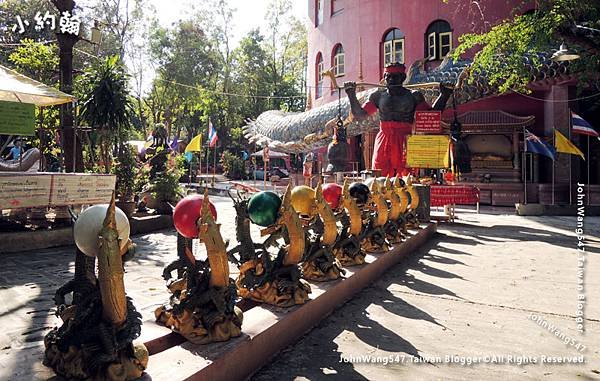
x: 397, y: 106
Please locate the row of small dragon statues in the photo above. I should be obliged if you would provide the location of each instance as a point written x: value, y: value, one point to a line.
x: 100, y: 324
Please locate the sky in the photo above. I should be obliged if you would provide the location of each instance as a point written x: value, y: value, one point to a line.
x: 249, y: 15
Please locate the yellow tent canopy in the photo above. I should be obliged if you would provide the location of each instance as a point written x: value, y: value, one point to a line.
x: 15, y: 87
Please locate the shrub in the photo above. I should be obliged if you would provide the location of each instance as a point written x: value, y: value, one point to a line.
x: 233, y: 166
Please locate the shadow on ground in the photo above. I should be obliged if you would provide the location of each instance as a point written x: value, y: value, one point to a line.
x: 320, y: 350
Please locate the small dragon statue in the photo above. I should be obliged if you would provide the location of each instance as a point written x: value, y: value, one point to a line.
x: 391, y: 227
x: 319, y: 262
x: 96, y: 340
x: 399, y: 188
x: 411, y: 216
x: 202, y: 307
x: 373, y: 237
x: 347, y: 249
x: 277, y: 281
x: 246, y: 249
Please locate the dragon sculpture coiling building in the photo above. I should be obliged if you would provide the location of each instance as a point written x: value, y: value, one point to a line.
x: 312, y: 129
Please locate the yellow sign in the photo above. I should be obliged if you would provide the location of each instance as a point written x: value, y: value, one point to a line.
x: 428, y: 151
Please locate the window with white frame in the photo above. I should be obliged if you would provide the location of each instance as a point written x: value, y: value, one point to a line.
x: 445, y: 44
x: 319, y: 76
x: 431, y: 46
x: 438, y: 40
x: 319, y: 12
x: 393, y: 47
x: 339, y: 58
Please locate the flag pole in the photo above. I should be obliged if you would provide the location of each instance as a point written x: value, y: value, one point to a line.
x: 190, y: 174
x: 570, y: 166
x: 214, y: 165
x: 200, y: 165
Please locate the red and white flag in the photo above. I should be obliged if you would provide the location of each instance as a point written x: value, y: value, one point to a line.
x: 212, y: 135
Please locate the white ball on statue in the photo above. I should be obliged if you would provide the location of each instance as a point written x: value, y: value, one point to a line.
x: 89, y: 223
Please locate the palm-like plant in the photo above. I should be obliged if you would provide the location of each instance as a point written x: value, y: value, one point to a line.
x: 107, y: 107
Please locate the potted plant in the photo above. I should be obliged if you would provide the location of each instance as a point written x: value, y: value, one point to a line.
x: 163, y: 185
x: 125, y: 169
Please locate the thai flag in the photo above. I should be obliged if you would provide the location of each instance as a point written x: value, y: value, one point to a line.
x: 581, y: 126
x: 212, y: 135
x: 536, y: 145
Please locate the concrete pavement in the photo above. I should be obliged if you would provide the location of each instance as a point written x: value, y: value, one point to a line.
x: 483, y: 288
x: 470, y: 293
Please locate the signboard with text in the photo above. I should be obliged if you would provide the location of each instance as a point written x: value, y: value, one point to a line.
x: 17, y: 118
x: 56, y: 189
x: 428, y: 122
x: 428, y: 151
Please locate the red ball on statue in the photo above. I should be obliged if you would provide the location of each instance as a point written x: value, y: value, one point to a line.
x: 186, y: 214
x: 332, y: 194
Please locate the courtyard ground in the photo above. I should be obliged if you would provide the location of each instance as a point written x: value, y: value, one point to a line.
x: 482, y: 288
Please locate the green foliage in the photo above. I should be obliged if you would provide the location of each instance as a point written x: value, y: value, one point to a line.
x: 106, y: 105
x: 125, y: 168
x: 105, y: 100
x: 141, y: 178
x: 36, y: 60
x: 504, y: 46
x: 165, y: 186
x: 201, y: 76
x: 233, y: 166
x: 10, y: 9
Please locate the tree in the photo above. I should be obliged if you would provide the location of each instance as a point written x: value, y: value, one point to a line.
x: 287, y: 47
x: 572, y: 21
x: 188, y: 70
x: 9, y: 10
x: 106, y: 105
x: 251, y: 75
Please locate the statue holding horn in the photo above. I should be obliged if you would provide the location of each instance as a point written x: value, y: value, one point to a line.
x: 396, y: 105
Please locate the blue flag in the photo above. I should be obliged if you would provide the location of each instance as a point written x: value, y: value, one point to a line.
x: 536, y: 145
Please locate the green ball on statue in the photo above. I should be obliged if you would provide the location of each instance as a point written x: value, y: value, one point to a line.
x: 263, y: 208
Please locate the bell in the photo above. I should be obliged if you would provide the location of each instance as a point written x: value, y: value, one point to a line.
x: 337, y: 151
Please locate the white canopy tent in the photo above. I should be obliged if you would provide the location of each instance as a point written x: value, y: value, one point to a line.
x: 15, y: 87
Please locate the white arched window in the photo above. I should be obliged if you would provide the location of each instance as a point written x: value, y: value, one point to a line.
x: 338, y: 61
x: 393, y: 47
x: 319, y: 75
